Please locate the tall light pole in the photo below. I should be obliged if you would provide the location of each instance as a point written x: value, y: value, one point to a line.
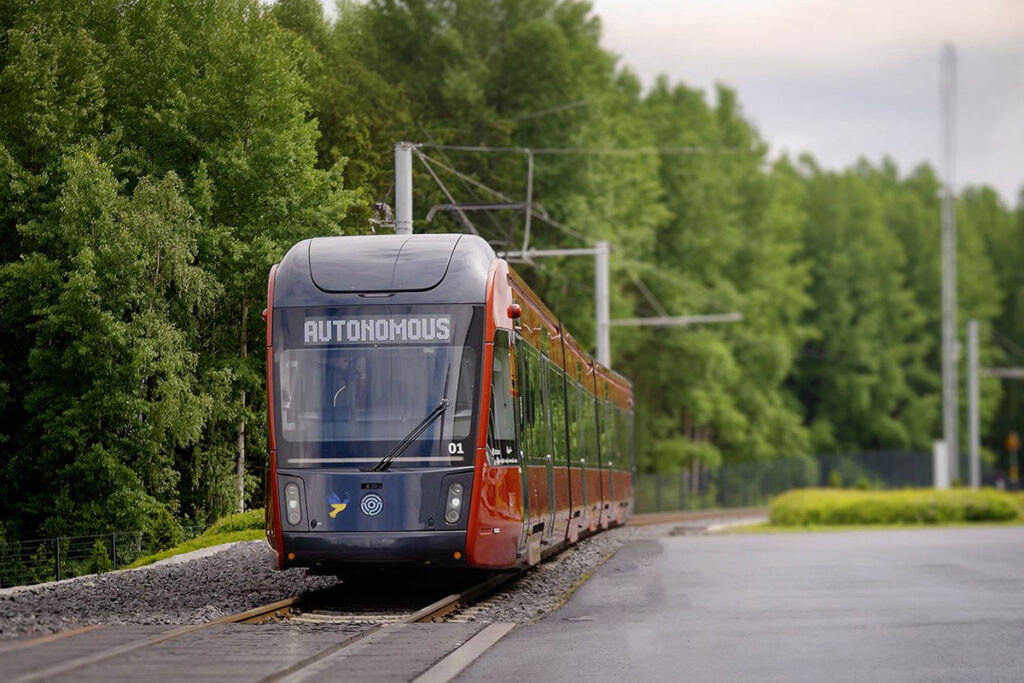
x: 950, y: 386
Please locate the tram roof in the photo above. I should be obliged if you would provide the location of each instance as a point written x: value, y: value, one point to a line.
x: 399, y: 269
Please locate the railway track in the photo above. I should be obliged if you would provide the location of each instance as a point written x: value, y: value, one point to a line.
x: 323, y: 612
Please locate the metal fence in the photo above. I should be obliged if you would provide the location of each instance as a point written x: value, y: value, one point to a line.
x: 62, y: 557
x: 747, y: 484
x: 752, y: 484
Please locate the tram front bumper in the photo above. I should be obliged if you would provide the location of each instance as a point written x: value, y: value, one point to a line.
x: 340, y: 549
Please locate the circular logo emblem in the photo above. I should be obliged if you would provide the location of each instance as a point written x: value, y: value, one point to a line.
x: 371, y: 504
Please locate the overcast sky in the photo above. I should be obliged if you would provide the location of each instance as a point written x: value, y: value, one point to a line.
x: 842, y: 78
x: 845, y: 78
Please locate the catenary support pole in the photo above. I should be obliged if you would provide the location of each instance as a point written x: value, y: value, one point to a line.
x: 403, y: 188
x: 529, y: 200
x: 950, y: 386
x: 602, y: 304
x: 973, y: 420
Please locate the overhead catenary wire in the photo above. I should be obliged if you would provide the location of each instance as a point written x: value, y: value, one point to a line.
x: 506, y: 198
x: 1007, y: 344
x: 547, y: 112
x: 431, y: 162
x: 462, y: 216
x: 612, y: 151
x: 465, y: 184
x: 700, y: 290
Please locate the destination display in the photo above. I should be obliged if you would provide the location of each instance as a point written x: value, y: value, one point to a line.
x: 390, y: 329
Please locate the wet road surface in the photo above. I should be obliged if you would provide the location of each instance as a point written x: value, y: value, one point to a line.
x: 913, y: 605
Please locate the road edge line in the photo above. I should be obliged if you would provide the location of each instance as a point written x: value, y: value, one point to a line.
x: 460, y: 658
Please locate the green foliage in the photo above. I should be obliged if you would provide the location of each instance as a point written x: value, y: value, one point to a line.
x: 835, y: 480
x: 165, y: 531
x: 204, y: 541
x: 99, y: 561
x: 160, y: 157
x: 240, y: 521
x: 832, y: 507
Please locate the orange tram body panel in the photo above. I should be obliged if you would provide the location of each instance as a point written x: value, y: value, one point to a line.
x: 425, y: 408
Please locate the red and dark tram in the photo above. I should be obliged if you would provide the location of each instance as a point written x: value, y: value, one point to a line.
x: 426, y: 408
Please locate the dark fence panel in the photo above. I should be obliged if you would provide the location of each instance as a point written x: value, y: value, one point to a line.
x: 63, y: 557
x: 752, y: 484
x: 747, y: 484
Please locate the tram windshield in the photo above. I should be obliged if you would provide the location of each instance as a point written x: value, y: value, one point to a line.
x: 350, y: 384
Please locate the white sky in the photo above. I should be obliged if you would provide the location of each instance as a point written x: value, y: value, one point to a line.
x: 845, y: 78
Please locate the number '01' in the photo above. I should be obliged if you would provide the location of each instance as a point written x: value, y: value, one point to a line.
x: 455, y: 448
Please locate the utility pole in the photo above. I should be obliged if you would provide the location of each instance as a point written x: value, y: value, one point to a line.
x: 403, y: 188
x: 602, y: 302
x: 973, y: 418
x: 950, y: 387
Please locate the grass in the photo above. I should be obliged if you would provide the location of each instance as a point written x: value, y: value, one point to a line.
x: 243, y: 526
x: 841, y: 507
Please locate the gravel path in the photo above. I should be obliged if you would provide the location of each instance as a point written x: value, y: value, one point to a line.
x: 235, y: 579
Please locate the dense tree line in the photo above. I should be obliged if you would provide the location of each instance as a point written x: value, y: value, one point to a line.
x: 158, y: 156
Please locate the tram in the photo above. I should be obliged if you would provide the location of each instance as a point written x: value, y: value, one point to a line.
x: 427, y: 409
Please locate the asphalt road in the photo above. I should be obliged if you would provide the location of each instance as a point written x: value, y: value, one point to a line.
x: 916, y: 605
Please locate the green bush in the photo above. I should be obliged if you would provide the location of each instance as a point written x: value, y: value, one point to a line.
x: 1018, y: 497
x: 240, y: 521
x: 99, y: 561
x: 804, y: 507
x: 166, y: 532
x: 835, y: 480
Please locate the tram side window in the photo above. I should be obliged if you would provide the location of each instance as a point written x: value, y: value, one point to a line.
x: 549, y: 426
x: 501, y: 427
x: 557, y: 397
x: 588, y: 435
x: 531, y: 431
x: 573, y: 410
x: 611, y: 450
x: 622, y: 433
x: 538, y: 416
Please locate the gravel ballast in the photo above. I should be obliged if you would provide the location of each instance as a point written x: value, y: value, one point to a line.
x: 545, y: 587
x: 233, y: 580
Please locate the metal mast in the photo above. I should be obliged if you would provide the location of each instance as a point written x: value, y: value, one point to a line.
x: 403, y: 188
x: 950, y: 386
x: 973, y: 419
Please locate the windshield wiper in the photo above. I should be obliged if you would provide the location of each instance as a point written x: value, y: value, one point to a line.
x: 386, y: 461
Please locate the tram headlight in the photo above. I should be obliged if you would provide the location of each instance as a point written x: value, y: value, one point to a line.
x: 291, y: 501
x: 453, y: 508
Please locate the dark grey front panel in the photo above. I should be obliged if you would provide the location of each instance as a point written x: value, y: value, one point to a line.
x: 378, y: 501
